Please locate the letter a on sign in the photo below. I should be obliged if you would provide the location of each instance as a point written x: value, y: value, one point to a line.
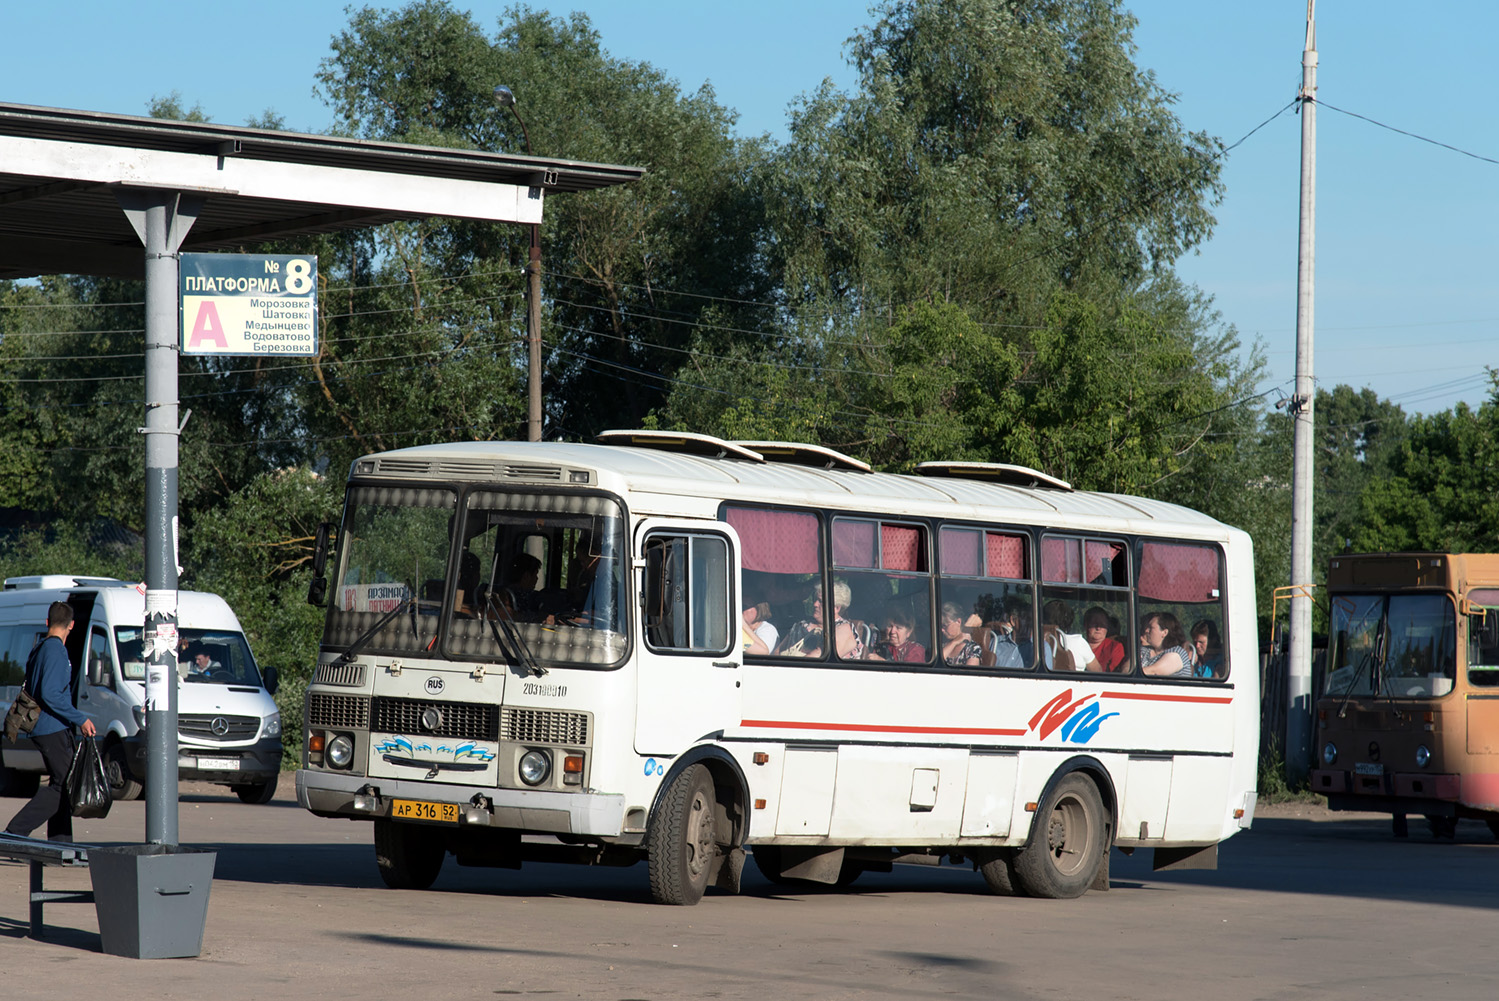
x: 207, y: 328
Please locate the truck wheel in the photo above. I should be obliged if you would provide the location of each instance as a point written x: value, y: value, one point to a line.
x: 1067, y: 842
x: 257, y: 795
x: 683, y: 843
x: 121, y: 784
x: 409, y: 856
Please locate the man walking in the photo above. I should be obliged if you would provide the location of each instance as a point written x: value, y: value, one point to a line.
x: 49, y: 676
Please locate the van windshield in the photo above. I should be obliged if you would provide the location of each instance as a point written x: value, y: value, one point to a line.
x: 204, y: 657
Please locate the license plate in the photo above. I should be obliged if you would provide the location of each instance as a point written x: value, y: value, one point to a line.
x: 1365, y: 768
x: 412, y: 809
x: 219, y: 764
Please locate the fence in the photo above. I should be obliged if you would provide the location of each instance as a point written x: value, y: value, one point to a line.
x: 1273, y: 709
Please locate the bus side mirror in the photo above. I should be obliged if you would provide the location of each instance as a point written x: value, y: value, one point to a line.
x: 272, y: 679
x: 317, y: 589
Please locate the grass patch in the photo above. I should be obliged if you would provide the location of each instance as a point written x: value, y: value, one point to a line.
x: 1273, y: 784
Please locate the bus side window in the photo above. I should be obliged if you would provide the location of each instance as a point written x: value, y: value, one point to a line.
x: 1483, y: 641
x: 687, y: 594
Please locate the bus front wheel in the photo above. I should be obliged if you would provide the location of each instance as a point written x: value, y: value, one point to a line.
x: 409, y: 856
x: 682, y: 849
x: 1067, y: 843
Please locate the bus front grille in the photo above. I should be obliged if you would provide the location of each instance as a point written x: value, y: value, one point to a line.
x: 351, y: 711
x: 459, y: 720
x: 348, y: 675
x: 542, y: 726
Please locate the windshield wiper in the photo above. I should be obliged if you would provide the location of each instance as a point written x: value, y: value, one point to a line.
x: 522, y: 649
x: 1372, y: 656
x: 407, y: 602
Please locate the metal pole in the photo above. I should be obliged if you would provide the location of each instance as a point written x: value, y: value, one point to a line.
x: 162, y: 219
x: 533, y: 336
x: 1299, y: 678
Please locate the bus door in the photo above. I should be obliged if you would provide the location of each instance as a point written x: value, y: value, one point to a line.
x: 689, y: 657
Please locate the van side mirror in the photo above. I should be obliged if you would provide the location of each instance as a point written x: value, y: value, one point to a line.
x: 317, y: 589
x: 272, y: 679
x: 98, y: 670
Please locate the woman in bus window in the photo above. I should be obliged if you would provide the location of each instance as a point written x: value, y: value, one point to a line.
x: 804, y: 638
x: 899, y: 643
x: 1108, y: 652
x: 1207, y: 649
x: 1163, y: 647
x: 958, y: 647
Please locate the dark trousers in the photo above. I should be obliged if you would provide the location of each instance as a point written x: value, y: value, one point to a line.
x: 51, y: 802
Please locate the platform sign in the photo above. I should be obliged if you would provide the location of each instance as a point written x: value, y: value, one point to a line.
x: 248, y: 304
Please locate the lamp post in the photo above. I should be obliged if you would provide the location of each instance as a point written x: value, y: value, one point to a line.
x: 505, y: 98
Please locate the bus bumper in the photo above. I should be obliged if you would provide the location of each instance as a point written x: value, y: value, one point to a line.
x: 361, y: 798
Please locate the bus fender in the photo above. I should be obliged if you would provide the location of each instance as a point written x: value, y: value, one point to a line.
x: 728, y: 781
x: 1095, y: 770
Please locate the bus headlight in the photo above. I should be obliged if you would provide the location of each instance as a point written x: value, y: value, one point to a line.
x: 1423, y: 756
x: 1329, y: 753
x: 535, y: 766
x: 340, y: 751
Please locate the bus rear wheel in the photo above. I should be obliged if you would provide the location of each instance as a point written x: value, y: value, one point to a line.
x: 409, y: 856
x: 682, y: 849
x: 1067, y: 842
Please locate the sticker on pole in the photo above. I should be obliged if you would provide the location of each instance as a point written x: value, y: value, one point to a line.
x: 248, y: 304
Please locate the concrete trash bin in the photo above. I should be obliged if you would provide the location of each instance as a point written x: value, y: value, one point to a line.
x: 152, y: 900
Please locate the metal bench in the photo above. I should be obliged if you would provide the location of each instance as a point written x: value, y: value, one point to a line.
x: 39, y: 855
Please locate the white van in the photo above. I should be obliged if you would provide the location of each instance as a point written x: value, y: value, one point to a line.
x: 228, y: 727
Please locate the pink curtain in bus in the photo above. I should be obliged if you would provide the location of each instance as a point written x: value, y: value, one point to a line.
x: 776, y: 541
x: 900, y: 547
x: 1179, y: 572
x: 1005, y: 555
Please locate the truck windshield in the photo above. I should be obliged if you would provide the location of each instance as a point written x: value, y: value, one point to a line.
x: 204, y: 657
x: 1393, y: 646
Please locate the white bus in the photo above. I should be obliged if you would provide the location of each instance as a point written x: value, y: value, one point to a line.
x: 672, y: 647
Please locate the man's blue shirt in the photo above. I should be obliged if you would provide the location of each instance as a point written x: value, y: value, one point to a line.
x: 49, y: 679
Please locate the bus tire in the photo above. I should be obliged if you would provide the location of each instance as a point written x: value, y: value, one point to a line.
x: 998, y: 871
x: 121, y: 784
x: 1442, y: 827
x: 1066, y: 844
x: 768, y: 861
x: 409, y: 856
x: 682, y: 849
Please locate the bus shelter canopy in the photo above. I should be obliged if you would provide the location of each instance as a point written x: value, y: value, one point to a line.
x: 63, y: 174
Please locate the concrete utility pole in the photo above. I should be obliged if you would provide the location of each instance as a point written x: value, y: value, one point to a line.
x: 1299, y: 667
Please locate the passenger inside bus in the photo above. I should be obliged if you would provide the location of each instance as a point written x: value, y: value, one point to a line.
x: 1163, y: 647
x: 1101, y: 633
x: 958, y: 646
x: 759, y: 635
x: 805, y: 638
x: 899, y: 642
x: 1063, y: 650
x: 1207, y: 649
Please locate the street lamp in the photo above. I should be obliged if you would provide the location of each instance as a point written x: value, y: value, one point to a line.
x: 505, y: 98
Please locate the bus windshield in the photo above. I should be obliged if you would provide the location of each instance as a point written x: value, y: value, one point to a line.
x: 1392, y: 646
x: 546, y: 570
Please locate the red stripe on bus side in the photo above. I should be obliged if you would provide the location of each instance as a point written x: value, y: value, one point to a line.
x: 785, y: 724
x: 1151, y: 697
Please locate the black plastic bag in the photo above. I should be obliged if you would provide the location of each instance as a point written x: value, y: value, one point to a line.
x: 88, y: 784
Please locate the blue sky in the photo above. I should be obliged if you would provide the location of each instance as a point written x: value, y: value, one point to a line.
x: 1407, y: 232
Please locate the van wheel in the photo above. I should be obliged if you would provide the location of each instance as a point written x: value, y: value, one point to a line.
x: 1066, y: 844
x: 257, y: 795
x: 121, y: 784
x: 683, y: 842
x: 409, y: 856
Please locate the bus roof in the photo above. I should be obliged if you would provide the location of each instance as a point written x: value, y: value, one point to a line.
x: 644, y: 471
